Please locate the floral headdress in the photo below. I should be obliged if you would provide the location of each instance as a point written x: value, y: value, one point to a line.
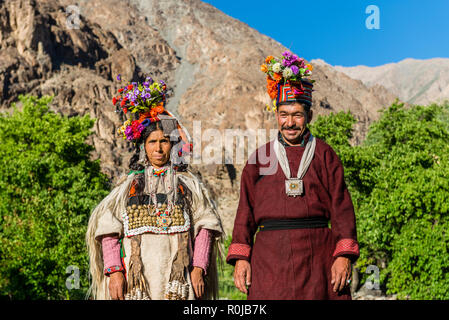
x: 287, y: 79
x: 144, y: 103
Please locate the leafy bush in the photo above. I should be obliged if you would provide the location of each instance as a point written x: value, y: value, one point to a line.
x: 398, y: 182
x: 48, y: 187
x: 419, y: 266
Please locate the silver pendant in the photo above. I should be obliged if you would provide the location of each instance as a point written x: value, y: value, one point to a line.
x: 293, y: 187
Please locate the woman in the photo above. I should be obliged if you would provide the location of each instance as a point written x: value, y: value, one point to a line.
x: 155, y: 235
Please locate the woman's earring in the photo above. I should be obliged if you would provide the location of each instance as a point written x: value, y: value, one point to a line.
x: 142, y: 156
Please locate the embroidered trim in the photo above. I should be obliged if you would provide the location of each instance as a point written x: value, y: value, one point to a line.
x: 239, y: 249
x: 113, y: 269
x: 346, y: 246
x: 136, y: 172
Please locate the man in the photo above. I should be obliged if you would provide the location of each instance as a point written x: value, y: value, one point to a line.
x: 295, y: 255
x: 153, y: 237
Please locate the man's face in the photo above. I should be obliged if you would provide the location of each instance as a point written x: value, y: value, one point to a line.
x: 157, y: 148
x: 292, y: 121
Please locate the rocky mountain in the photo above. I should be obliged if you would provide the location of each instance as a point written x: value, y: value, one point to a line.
x: 210, y: 60
x: 413, y: 81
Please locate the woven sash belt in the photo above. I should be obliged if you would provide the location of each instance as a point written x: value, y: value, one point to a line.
x: 302, y: 223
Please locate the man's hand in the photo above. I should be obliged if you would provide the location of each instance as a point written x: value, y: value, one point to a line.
x: 197, y: 281
x: 242, y: 275
x: 117, y: 285
x: 341, y: 273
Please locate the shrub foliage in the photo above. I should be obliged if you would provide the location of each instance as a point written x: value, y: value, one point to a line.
x: 398, y: 181
x: 48, y: 187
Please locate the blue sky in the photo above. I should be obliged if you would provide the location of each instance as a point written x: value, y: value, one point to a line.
x: 336, y: 31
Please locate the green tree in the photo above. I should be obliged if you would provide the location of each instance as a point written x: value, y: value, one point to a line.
x: 398, y: 182
x: 48, y: 187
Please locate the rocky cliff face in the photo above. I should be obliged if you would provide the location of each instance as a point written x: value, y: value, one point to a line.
x: 210, y: 60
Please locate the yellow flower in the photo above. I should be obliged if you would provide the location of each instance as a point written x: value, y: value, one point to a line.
x: 264, y: 68
x: 309, y: 66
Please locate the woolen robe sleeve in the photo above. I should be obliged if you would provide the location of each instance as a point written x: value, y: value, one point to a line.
x: 342, y: 214
x: 244, y: 224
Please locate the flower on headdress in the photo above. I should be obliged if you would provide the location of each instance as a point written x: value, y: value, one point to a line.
x: 137, y: 129
x: 264, y: 68
x: 129, y: 133
x: 119, y: 77
x: 286, y: 63
x: 287, y: 54
x: 294, y: 69
x: 309, y: 66
x: 114, y: 100
x: 268, y: 59
x: 130, y: 86
x: 287, y: 73
x: 277, y: 76
x: 156, y: 110
x: 277, y: 67
x: 272, y: 88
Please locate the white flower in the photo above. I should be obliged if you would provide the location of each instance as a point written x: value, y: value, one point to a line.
x: 287, y: 73
x: 276, y: 67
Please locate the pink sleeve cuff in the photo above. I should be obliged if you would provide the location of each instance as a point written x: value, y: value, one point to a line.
x: 201, y: 251
x: 346, y: 246
x: 111, y: 255
x: 238, y: 251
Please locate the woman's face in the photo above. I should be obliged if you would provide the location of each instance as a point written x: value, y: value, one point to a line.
x: 157, y: 148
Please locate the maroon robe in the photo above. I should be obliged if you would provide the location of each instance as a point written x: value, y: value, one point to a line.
x: 294, y: 263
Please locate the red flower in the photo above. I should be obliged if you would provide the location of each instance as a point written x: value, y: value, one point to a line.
x: 123, y: 102
x: 125, y: 110
x: 120, y: 90
x: 130, y: 86
x: 132, y: 103
x: 114, y: 101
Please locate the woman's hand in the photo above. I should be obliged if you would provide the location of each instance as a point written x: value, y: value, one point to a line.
x: 196, y: 276
x: 117, y: 285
